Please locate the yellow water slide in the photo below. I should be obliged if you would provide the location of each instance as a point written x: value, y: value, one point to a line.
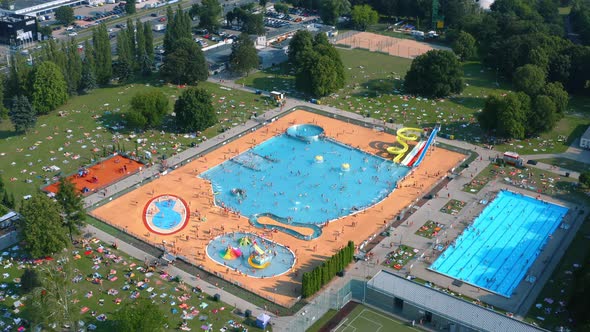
x: 403, y: 135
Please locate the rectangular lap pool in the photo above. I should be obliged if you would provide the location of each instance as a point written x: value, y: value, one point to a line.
x: 497, y: 249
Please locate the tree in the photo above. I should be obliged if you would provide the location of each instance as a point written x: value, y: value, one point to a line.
x: 124, y: 64
x: 363, y: 16
x: 542, y: 116
x: 65, y: 15
x: 140, y: 53
x: 558, y: 95
x: 253, y: 24
x: 130, y: 6
x: 435, y: 74
x: 73, y: 67
x: 18, y: 82
x: 464, y: 46
x: 331, y: 10
x: 147, y: 109
x: 209, y: 14
x: 302, y: 41
x: 41, y: 227
x: 459, y: 13
x: 139, y: 315
x: 132, y: 40
x: 186, y: 64
x: 281, y: 7
x: 146, y: 65
x: 102, y: 55
x: 244, y: 56
x: 263, y: 3
x: 194, y: 110
x: 30, y: 280
x: 506, y: 116
x: 178, y: 28
x: 530, y: 79
x: 22, y: 114
x: 44, y: 30
x: 72, y: 207
x: 88, y: 79
x: 585, y: 179
x: 53, y: 302
x: 49, y: 88
x: 320, y: 70
x: 3, y: 110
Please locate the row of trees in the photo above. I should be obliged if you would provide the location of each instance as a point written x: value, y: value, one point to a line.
x: 39, y: 87
x: 523, y: 40
x: 518, y: 115
x: 135, y: 50
x: 184, y: 62
x: 321, y: 275
x: 251, y: 23
x: 193, y: 110
x: 320, y: 70
x: 580, y: 19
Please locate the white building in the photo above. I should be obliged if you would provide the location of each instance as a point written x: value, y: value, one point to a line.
x: 585, y: 139
x: 40, y: 7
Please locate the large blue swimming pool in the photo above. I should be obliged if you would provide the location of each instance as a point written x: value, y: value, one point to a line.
x: 308, y: 182
x: 496, y: 251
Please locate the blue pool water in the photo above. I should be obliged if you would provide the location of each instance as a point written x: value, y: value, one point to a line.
x: 306, y: 131
x: 496, y: 251
x: 302, y: 181
x: 280, y: 263
x: 166, y: 218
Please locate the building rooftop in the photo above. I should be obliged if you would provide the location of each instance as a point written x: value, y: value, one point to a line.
x: 21, y: 4
x: 11, y: 18
x: 586, y: 134
x: 454, y: 309
x: 24, y: 4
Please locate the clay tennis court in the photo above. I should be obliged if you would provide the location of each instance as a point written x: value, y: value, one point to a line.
x: 405, y: 48
x: 192, y: 241
x: 100, y: 175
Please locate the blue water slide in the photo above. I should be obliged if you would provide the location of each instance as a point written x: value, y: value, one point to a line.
x: 430, y: 140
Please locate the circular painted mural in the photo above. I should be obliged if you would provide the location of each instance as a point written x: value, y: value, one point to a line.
x: 166, y: 214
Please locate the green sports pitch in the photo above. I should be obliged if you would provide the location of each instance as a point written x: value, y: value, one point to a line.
x: 363, y: 319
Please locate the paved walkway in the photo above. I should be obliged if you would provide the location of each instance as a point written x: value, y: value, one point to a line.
x: 359, y: 270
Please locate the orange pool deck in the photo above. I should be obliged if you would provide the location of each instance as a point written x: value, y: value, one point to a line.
x: 284, y: 290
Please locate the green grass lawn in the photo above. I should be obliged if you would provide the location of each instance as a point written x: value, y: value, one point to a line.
x: 429, y: 229
x: 453, y: 207
x: 322, y: 321
x: 532, y: 179
x: 97, y: 120
x: 128, y: 272
x: 372, y: 88
x: 400, y: 257
x: 363, y: 318
x: 560, y: 286
x: 566, y: 163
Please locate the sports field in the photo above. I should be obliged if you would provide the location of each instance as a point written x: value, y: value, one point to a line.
x: 366, y: 319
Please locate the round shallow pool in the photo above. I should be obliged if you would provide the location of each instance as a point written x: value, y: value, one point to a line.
x: 251, y: 255
x: 307, y: 132
x: 166, y: 214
